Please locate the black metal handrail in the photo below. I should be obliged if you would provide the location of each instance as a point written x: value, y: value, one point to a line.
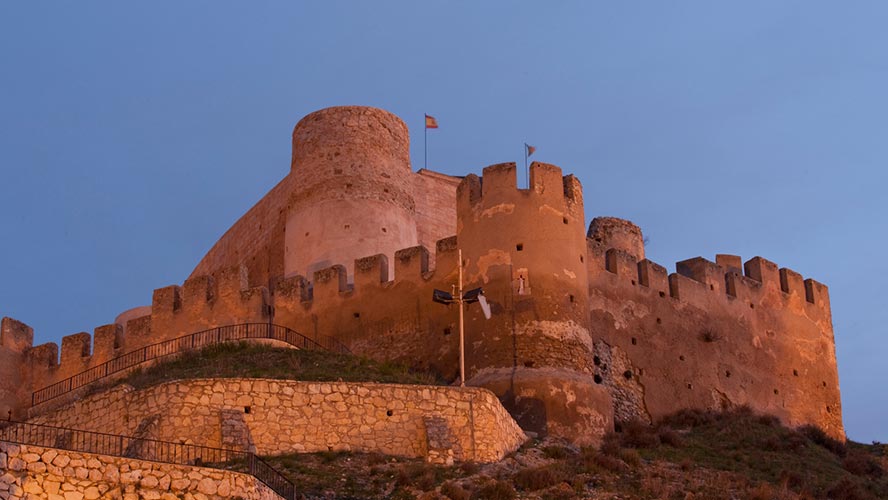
x: 196, y: 340
x: 151, y: 450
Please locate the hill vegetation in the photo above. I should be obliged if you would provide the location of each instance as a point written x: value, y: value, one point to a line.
x: 691, y: 455
x: 250, y: 360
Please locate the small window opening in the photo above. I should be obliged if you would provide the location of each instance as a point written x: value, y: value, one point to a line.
x: 727, y: 374
x: 571, y: 298
x: 519, y: 247
x: 581, y: 259
x: 384, y: 230
x: 564, y: 220
x: 347, y: 226
x: 633, y: 282
x: 776, y: 391
x: 357, y: 315
x: 528, y: 364
x: 662, y: 294
x: 795, y: 373
x: 596, y: 360
x: 828, y: 409
x: 348, y: 186
x: 712, y: 287
x: 447, y: 331
x: 689, y: 386
x: 659, y: 321
x: 634, y: 341
x: 752, y: 306
x: 824, y: 384
x: 389, y: 413
x: 681, y: 358
x: 306, y: 233
x: 627, y: 374
x: 597, y: 378
x: 247, y: 410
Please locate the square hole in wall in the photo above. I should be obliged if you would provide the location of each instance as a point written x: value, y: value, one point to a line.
x: 519, y: 247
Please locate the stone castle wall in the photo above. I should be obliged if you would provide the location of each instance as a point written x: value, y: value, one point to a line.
x: 710, y: 335
x: 713, y: 336
x: 271, y: 417
x: 32, y: 472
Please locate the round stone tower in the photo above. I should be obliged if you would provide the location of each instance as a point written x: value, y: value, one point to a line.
x: 527, y: 249
x: 353, y: 196
x: 617, y: 233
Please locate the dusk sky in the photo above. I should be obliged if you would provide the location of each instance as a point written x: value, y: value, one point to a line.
x: 132, y: 135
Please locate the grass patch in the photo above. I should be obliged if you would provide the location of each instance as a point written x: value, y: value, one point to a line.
x: 759, y: 448
x: 246, y: 360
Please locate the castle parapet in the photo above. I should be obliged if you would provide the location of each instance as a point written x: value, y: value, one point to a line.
x: 16, y: 339
x: 15, y: 335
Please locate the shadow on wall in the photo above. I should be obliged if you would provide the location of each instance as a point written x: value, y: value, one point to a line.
x: 529, y: 413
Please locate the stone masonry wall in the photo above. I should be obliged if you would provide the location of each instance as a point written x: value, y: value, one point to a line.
x: 34, y: 472
x: 288, y: 416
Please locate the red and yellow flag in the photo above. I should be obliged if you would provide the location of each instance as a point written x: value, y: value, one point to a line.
x: 431, y: 122
x: 530, y: 149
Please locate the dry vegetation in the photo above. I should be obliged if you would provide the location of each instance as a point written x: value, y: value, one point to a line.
x: 691, y: 455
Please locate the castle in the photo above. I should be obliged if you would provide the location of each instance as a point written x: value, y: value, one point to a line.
x: 585, y: 332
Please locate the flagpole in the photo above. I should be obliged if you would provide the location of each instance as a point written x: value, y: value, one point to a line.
x: 526, y: 171
x: 425, y: 148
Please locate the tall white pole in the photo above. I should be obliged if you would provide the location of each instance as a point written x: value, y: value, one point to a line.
x: 462, y: 337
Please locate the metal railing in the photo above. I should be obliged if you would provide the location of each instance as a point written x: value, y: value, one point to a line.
x: 218, y: 335
x: 147, y: 449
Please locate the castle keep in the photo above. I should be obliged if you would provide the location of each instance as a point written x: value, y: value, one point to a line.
x: 585, y: 332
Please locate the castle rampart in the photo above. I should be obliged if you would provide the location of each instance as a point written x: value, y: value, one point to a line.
x: 712, y: 338
x: 585, y: 331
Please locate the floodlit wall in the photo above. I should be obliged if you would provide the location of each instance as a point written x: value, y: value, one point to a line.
x: 279, y: 416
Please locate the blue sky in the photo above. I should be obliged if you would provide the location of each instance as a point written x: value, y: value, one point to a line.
x: 132, y: 135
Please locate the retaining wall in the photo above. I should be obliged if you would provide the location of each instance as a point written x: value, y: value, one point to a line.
x: 36, y: 472
x: 277, y: 416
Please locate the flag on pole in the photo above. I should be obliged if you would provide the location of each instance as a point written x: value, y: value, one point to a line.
x: 431, y: 122
x: 530, y: 149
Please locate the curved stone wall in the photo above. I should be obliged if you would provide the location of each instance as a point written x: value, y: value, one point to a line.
x: 354, y: 196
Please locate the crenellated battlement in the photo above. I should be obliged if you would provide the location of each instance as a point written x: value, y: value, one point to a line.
x: 497, y: 189
x: 698, y: 281
x: 202, y: 302
x: 412, y: 266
